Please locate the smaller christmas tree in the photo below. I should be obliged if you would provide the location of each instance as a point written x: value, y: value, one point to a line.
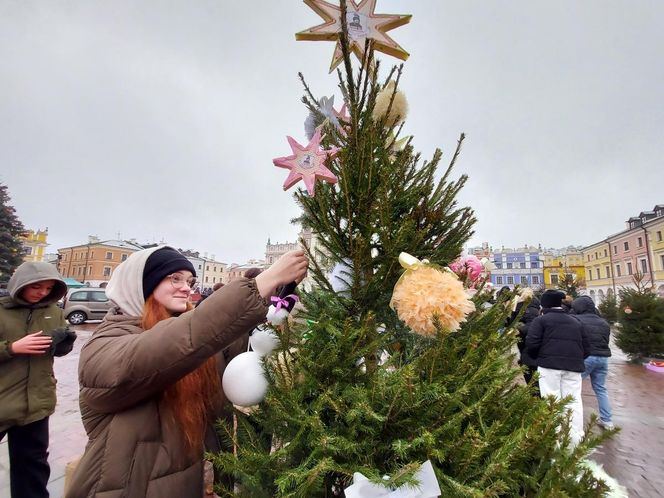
x: 641, y: 318
x: 609, y: 308
x: 11, y: 228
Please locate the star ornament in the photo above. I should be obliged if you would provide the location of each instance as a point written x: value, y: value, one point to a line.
x: 362, y: 22
x: 307, y: 163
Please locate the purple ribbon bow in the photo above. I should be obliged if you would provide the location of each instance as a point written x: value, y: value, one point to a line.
x: 282, y: 302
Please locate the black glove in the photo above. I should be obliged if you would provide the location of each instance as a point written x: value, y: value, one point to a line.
x: 63, y: 341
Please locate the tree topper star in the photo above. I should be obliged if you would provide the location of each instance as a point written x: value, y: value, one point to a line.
x: 362, y: 24
x: 307, y: 163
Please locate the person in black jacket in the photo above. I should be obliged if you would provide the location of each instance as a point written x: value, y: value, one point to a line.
x: 532, y: 312
x: 559, y: 344
x: 597, y: 364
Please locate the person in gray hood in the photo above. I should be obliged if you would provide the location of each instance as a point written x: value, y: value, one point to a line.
x: 32, y: 331
x: 597, y: 364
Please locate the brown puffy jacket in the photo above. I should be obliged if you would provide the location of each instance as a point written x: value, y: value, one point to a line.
x: 134, y: 448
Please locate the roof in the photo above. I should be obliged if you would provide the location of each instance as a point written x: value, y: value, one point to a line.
x: 72, y: 283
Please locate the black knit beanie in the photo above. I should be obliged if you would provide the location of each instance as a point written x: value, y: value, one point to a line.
x: 160, y: 264
x: 552, y: 298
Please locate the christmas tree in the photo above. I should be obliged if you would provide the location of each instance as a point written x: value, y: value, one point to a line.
x: 11, y: 228
x: 641, y: 319
x: 352, y: 388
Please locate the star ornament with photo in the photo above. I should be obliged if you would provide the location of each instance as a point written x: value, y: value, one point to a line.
x: 307, y: 163
x: 363, y: 23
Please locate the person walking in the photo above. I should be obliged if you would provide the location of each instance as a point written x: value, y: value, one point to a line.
x: 32, y: 332
x: 559, y: 344
x: 150, y: 388
x: 597, y: 364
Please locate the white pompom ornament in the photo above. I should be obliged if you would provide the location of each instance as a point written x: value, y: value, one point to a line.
x: 263, y: 341
x: 244, y: 381
x: 276, y: 316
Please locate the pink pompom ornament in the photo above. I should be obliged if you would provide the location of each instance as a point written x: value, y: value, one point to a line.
x: 468, y: 268
x: 425, y: 295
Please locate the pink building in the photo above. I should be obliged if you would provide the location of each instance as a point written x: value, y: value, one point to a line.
x: 630, y: 254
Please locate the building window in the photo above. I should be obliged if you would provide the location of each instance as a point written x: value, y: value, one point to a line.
x: 27, y: 250
x: 510, y: 280
x: 659, y: 236
x: 124, y: 257
x: 605, y: 253
x: 598, y: 277
x: 534, y: 264
x: 629, y: 268
x: 554, y: 279
x: 640, y: 241
x: 206, y: 280
x: 109, y: 255
x: 524, y: 280
x: 626, y: 245
x: 509, y: 266
x: 615, y: 249
x: 661, y: 260
x: 536, y: 279
x: 588, y: 257
x: 590, y: 274
x: 499, y: 280
x: 644, y: 266
x: 498, y: 265
x: 608, y: 271
x: 92, y: 254
x: 618, y: 272
x: 207, y: 267
x: 107, y: 271
x: 522, y: 265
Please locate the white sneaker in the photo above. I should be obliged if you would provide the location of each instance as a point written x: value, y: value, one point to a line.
x: 605, y: 425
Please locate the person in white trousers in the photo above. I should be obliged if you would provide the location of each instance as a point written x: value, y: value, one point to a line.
x: 559, y: 344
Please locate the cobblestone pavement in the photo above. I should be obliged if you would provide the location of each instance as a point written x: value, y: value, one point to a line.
x: 634, y: 456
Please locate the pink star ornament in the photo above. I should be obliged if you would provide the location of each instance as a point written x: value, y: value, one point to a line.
x: 307, y: 163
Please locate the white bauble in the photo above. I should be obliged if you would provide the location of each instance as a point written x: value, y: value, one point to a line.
x: 244, y: 381
x: 263, y: 341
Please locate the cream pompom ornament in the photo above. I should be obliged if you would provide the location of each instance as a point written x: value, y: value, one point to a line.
x: 425, y: 296
x: 397, y: 112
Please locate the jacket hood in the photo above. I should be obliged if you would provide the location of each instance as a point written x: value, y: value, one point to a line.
x: 125, y: 289
x: 584, y: 304
x: 33, y: 272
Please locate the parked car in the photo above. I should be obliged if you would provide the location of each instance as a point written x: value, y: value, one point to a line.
x: 85, y: 304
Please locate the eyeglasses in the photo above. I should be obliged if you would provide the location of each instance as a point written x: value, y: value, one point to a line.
x: 178, y: 281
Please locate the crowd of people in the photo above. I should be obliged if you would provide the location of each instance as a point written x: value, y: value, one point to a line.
x: 566, y: 341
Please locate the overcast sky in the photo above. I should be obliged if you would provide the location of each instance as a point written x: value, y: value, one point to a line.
x: 158, y: 120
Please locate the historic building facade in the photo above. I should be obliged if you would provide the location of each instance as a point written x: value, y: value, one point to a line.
x: 521, y: 267
x: 93, y: 263
x: 34, y: 244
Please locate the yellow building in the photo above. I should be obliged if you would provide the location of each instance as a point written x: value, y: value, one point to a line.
x: 34, y: 244
x: 93, y: 263
x: 598, y: 264
x: 557, y: 266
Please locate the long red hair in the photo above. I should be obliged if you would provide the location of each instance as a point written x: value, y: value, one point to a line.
x: 193, y: 398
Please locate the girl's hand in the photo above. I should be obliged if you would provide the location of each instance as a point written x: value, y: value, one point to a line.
x: 291, y: 267
x: 34, y: 343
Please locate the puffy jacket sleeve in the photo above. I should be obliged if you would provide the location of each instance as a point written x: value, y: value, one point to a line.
x: 5, y: 355
x: 117, y: 371
x: 534, y: 337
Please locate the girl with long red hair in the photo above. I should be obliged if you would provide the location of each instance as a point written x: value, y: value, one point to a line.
x: 149, y: 376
